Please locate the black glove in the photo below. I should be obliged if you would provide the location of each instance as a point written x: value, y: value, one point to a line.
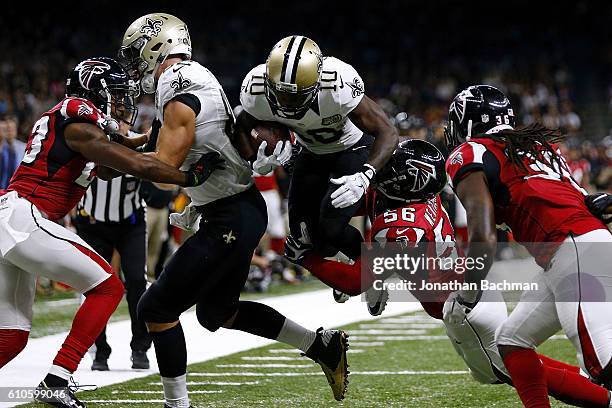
x: 201, y: 170
x: 597, y: 204
x: 151, y: 144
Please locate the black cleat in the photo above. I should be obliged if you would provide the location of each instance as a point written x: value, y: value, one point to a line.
x: 100, y: 364
x: 329, y: 351
x: 140, y: 361
x: 61, y: 397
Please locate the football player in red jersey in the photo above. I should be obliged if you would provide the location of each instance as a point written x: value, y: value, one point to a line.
x: 405, y: 208
x: 516, y: 176
x: 65, y: 146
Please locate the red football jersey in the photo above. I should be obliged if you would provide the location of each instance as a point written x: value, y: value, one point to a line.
x: 51, y: 175
x: 540, y: 205
x: 419, y: 223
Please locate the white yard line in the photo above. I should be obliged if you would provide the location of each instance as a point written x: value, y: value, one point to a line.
x: 367, y: 344
x: 397, y: 338
x: 299, y: 374
x: 311, y: 309
x: 389, y: 332
x: 273, y: 358
x: 271, y: 365
x: 401, y: 325
x: 217, y: 383
x: 161, y: 393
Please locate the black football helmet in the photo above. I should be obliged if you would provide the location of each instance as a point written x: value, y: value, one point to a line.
x: 415, y: 172
x: 476, y: 110
x: 106, y: 84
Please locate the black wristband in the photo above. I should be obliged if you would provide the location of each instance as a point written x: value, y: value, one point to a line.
x: 368, y: 170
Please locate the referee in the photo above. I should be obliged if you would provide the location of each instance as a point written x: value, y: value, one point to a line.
x: 111, y: 216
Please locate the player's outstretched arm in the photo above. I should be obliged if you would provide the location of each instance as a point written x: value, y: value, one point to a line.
x: 370, y: 118
x: 176, y: 135
x: 94, y: 145
x: 473, y: 192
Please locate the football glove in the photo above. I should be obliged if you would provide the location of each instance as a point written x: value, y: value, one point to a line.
x: 353, y: 187
x: 456, y: 309
x: 264, y: 165
x: 201, y: 170
x: 598, y: 204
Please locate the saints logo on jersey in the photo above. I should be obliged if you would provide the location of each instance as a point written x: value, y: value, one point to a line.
x: 356, y: 87
x: 180, y: 83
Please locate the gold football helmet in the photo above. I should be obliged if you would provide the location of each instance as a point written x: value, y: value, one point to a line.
x: 293, y: 75
x: 147, y: 43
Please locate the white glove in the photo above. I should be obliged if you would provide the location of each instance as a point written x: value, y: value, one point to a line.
x: 264, y: 165
x: 455, y: 310
x: 352, y: 188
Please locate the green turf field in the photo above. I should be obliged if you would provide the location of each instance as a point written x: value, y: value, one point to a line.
x: 387, y: 370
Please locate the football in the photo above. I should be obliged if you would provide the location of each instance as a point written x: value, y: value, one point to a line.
x: 272, y: 133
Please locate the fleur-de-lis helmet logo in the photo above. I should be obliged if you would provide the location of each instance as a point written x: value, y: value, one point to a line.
x: 151, y: 27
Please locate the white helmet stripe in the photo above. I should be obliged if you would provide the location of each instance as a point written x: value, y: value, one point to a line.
x: 293, y: 58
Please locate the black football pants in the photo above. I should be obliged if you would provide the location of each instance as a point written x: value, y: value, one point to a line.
x: 310, y: 202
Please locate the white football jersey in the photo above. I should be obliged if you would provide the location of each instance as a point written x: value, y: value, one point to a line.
x: 189, y: 77
x: 325, y: 128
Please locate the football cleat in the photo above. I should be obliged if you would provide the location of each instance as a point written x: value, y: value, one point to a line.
x: 60, y: 397
x: 140, y: 361
x: 376, y: 300
x: 329, y: 351
x: 296, y: 248
x: 340, y: 297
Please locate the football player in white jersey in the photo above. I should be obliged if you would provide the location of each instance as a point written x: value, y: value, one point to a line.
x: 211, y: 267
x: 345, y: 137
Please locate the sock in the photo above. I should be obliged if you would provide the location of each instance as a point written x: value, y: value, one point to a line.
x: 258, y: 319
x: 296, y: 335
x: 549, y: 362
x: 57, y: 377
x: 175, y: 391
x: 528, y: 377
x: 574, y: 389
x: 12, y: 341
x: 90, y: 319
x: 345, y: 278
x: 277, y: 245
x: 171, y: 351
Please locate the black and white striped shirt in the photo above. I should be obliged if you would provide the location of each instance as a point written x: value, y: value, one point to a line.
x: 114, y: 200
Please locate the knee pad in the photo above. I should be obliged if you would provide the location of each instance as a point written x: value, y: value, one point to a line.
x: 213, y: 317
x: 12, y: 342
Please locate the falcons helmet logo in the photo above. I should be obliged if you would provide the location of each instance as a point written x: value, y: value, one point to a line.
x: 88, y: 68
x: 459, y: 103
x: 422, y: 173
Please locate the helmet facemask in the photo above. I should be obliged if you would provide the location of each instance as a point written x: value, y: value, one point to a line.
x: 287, y: 99
x: 119, y: 101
